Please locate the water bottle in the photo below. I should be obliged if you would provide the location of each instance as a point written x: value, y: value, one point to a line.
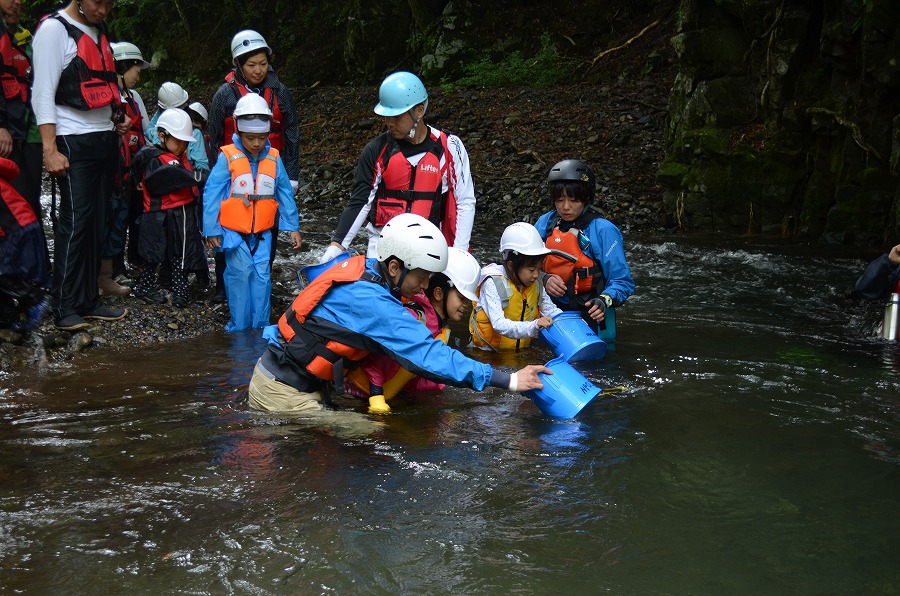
x: 891, y: 317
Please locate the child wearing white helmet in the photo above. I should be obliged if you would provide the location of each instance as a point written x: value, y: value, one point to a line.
x: 247, y: 193
x: 169, y: 95
x: 353, y: 309
x: 169, y: 229
x: 447, y: 299
x: 512, y: 304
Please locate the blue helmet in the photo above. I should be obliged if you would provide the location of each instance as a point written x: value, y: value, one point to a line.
x: 399, y: 93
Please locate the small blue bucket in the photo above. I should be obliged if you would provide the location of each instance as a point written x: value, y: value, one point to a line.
x: 565, y: 392
x: 310, y: 272
x: 572, y: 339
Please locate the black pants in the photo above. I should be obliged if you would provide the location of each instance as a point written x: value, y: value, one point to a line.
x: 30, y: 159
x: 81, y: 215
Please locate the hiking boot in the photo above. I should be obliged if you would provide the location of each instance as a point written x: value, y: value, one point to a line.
x: 71, y: 323
x: 106, y: 313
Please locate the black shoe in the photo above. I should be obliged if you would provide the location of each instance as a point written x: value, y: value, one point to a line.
x: 106, y: 313
x: 180, y: 302
x: 154, y: 297
x: 219, y: 296
x: 72, y: 323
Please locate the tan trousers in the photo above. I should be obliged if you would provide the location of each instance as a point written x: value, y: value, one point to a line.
x: 274, y: 396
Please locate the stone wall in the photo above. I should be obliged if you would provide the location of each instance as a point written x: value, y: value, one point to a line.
x: 785, y: 119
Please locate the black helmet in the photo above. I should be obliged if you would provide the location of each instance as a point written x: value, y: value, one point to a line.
x: 573, y: 170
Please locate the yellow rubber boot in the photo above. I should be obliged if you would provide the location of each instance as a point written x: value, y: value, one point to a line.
x: 377, y: 405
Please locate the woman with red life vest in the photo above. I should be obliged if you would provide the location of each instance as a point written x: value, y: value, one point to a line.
x: 253, y: 73
x: 410, y: 168
x: 129, y: 64
x: 77, y: 104
x: 247, y: 193
x: 169, y: 230
x: 586, y: 270
x: 353, y: 309
x: 23, y: 273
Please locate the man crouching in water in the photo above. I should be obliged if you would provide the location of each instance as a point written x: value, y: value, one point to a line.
x: 353, y: 309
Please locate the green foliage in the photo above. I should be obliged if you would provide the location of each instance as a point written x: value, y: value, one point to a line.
x: 545, y: 69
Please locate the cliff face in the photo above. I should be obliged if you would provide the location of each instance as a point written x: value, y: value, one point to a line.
x: 785, y: 119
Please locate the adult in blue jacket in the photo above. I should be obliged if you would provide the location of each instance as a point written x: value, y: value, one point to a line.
x: 245, y: 234
x: 587, y: 272
x: 353, y: 309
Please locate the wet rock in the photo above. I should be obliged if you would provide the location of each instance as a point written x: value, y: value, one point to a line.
x: 79, y: 342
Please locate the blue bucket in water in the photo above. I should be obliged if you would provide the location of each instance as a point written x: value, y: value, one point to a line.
x: 310, y: 272
x: 572, y: 339
x: 565, y: 392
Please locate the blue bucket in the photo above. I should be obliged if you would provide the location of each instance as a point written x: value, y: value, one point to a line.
x: 565, y: 392
x: 310, y: 272
x: 572, y: 339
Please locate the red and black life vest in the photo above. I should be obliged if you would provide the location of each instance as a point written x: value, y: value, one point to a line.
x: 321, y: 357
x: 276, y: 137
x: 583, y: 277
x: 176, y: 198
x: 16, y: 68
x: 133, y: 140
x: 407, y: 189
x: 15, y: 212
x: 89, y: 81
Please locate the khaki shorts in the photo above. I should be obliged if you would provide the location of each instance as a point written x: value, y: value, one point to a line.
x: 274, y: 396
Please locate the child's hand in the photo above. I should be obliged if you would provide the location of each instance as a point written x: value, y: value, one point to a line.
x: 296, y: 240
x: 544, y: 322
x: 213, y: 242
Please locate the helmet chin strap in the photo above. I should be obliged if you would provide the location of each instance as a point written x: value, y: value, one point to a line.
x: 395, y: 287
x: 412, y: 112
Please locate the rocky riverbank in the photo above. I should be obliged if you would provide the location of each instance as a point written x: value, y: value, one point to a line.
x: 513, y: 136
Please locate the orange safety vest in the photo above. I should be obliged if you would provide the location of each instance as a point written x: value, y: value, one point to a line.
x: 276, y: 131
x: 580, y: 276
x: 321, y: 356
x: 15, y: 70
x: 252, y: 205
x: 89, y: 81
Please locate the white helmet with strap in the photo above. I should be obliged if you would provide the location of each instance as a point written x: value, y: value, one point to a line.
x: 176, y: 123
x: 521, y: 238
x: 124, y: 50
x: 171, y: 95
x: 463, y: 271
x: 198, y: 108
x: 246, y: 42
x: 417, y: 242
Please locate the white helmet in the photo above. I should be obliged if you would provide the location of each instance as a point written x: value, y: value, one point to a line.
x: 463, y: 271
x: 522, y: 238
x: 177, y: 124
x: 171, y: 95
x: 252, y: 105
x: 123, y: 50
x: 417, y: 242
x: 247, y: 41
x: 200, y: 110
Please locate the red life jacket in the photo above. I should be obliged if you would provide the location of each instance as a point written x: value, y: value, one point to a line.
x: 134, y: 140
x: 16, y: 69
x: 277, y: 127
x: 583, y: 277
x: 176, y: 198
x: 320, y: 356
x: 419, y: 190
x: 89, y: 81
x: 15, y: 212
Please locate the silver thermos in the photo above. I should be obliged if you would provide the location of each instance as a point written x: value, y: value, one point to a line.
x: 891, y: 317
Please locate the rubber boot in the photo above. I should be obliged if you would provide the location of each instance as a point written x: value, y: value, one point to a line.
x: 219, y: 297
x: 108, y: 287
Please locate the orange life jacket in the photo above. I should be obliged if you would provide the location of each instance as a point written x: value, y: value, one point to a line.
x: 320, y: 356
x: 407, y: 189
x: 16, y: 69
x: 583, y: 277
x: 89, y: 81
x: 252, y: 205
x: 276, y: 132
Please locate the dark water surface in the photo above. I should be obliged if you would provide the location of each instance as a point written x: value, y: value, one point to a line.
x: 753, y: 449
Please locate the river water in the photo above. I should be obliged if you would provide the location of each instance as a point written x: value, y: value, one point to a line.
x: 752, y: 447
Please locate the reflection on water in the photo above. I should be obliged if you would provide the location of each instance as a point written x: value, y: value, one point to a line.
x: 754, y: 450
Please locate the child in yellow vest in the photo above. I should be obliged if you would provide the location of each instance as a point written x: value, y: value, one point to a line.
x: 512, y: 305
x: 248, y: 190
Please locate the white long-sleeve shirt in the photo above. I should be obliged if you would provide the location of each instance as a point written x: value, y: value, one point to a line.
x: 490, y: 301
x: 53, y: 51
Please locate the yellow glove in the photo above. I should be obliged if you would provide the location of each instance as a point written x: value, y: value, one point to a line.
x: 377, y: 405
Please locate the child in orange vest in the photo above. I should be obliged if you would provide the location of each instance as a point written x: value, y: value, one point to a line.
x: 247, y: 192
